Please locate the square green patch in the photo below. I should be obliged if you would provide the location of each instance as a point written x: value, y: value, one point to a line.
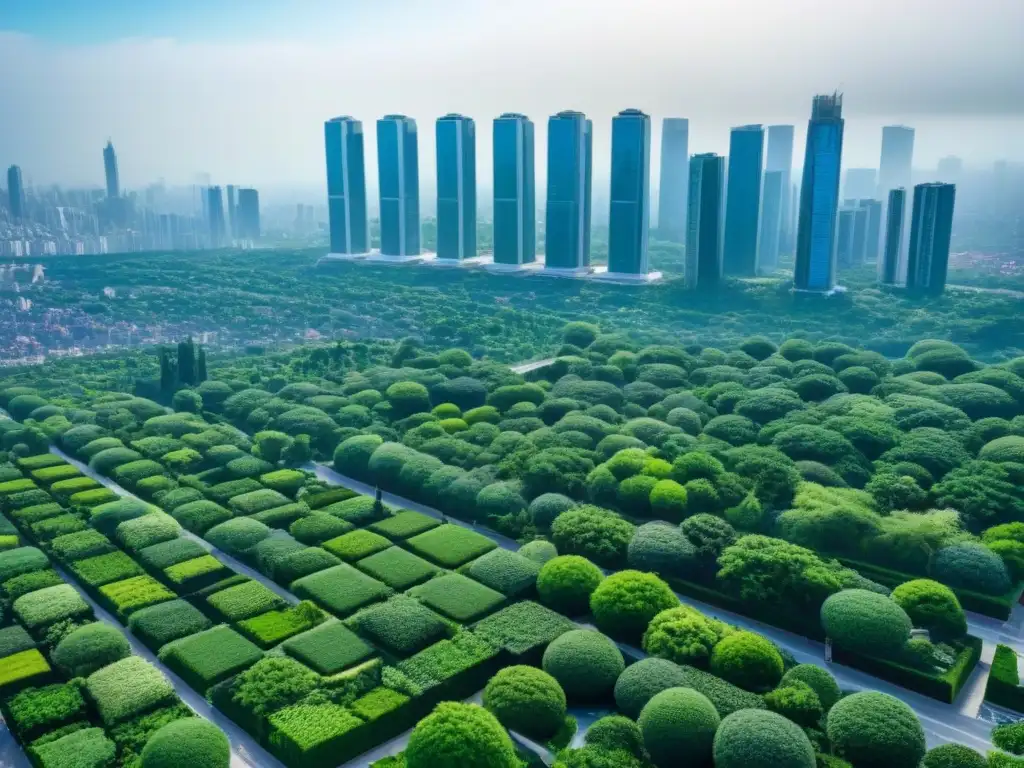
x: 508, y: 572
x: 196, y: 573
x: 341, y: 590
x: 397, y: 568
x: 21, y: 669
x: 97, y: 571
x: 244, y: 601
x: 128, y: 596
x: 128, y: 688
x: 400, y: 625
x: 404, y: 525
x: 356, y: 545
x: 269, y: 629
x: 523, y: 627
x: 330, y: 648
x: 209, y: 657
x: 458, y: 597
x: 450, y: 545
x: 160, y: 624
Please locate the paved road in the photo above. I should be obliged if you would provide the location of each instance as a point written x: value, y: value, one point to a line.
x: 536, y: 364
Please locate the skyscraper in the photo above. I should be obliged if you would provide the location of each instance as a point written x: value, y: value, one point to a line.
x: 346, y: 186
x: 515, y: 207
x: 704, y: 220
x: 743, y: 200
x: 215, y: 206
x: 232, y: 229
x: 570, y: 154
x: 110, y: 171
x: 248, y: 214
x: 771, y: 222
x: 874, y: 231
x: 456, y: 187
x: 16, y: 192
x: 889, y: 267
x: 398, y: 172
x: 630, y: 212
x: 779, y: 157
x: 675, y: 178
x: 897, y: 159
x: 861, y: 183
x: 928, y: 257
x: 819, y: 196
x: 845, y: 237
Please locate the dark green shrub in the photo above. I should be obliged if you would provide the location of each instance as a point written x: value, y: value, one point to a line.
x: 1010, y: 737
x: 526, y: 700
x: 546, y: 507
x: 683, y: 635
x: 158, y: 625
x: 819, y: 680
x: 585, y: 663
x: 971, y: 566
x: 539, y: 551
x: 459, y: 735
x: 642, y: 680
x: 759, y: 739
x: 877, y: 730
x: 954, y: 756
x: 747, y: 660
x: 597, y: 534
x: 508, y: 572
x: 237, y: 535
x: 85, y: 747
x: 661, y: 548
x: 678, y: 727
x: 193, y: 741
x: 797, y: 702
x: 567, y: 582
x: 932, y: 606
x: 615, y: 732
x: 317, y: 528
x: 866, y: 622
x: 625, y: 602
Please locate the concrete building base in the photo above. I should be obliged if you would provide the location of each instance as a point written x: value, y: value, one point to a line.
x: 513, y: 269
x: 475, y: 261
x: 347, y: 256
x: 379, y: 258
x: 643, y: 278
x: 574, y: 273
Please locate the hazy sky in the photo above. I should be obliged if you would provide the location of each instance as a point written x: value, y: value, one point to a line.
x: 239, y: 89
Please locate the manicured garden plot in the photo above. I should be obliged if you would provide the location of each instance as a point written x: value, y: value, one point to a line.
x: 275, y: 548
x: 248, y: 466
x: 378, y: 703
x: 200, y: 516
x: 244, y: 601
x: 400, y: 625
x: 206, y: 658
x: 78, y: 546
x: 24, y: 499
x: 99, y: 445
x: 458, y: 597
x: 37, y: 711
x: 14, y: 639
x: 107, y: 517
x: 67, y: 489
x: 128, y: 688
x: 302, y: 563
x: 132, y: 473
x: 334, y: 495
x: 282, y: 517
x: 313, y: 734
x: 508, y: 572
x: 329, y: 648
x: 132, y: 736
x: 30, y: 582
x: 450, y: 545
x: 397, y: 568
x: 52, y: 527
x: 444, y: 660
x: 103, y: 569
x: 179, y: 497
x: 160, y: 624
x: 93, y: 497
x: 360, y: 510
x: 126, y: 597
x: 269, y: 629
x: 257, y: 501
x: 237, y: 535
x: 523, y: 627
x: 224, y: 492
x: 147, y: 530
x: 160, y: 556
x: 222, y: 454
x: 39, y: 461
x: 33, y: 514
x: 196, y: 573
x: 22, y: 669
x: 44, y: 607
x: 15, y: 562
x: 356, y: 545
x: 404, y: 525
x: 318, y: 527
x: 88, y: 748
x: 106, y: 461
x: 20, y: 485
x: 286, y: 481
x: 50, y: 475
x: 156, y: 446
x: 340, y: 590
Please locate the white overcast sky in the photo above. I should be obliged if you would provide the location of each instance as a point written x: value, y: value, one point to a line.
x: 246, y: 103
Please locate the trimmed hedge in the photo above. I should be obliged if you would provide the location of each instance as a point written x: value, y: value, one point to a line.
x: 31, y: 515
x: 282, y: 517
x: 585, y: 663
x: 314, y: 734
x: 341, y: 590
x: 44, y: 607
x: 871, y: 728
x: 244, y: 601
x: 147, y: 530
x: 257, y: 501
x: 37, y: 711
x: 199, y: 572
x: 209, y: 657
x: 397, y: 568
x: 678, y: 727
x: 103, y: 569
x: 450, y: 546
x: 15, y: 562
x: 200, y: 516
x: 269, y: 629
x: 237, y: 535
x: 526, y: 700
x: 85, y: 748
x: 93, y: 498
x: 132, y: 473
x: 78, y: 546
x: 507, y: 572
x: 224, y: 492
x: 302, y: 563
x: 404, y: 525
x: 566, y: 583
x: 400, y: 625
x: 458, y: 597
x: 357, y: 545
x: 30, y: 582
x: 865, y: 622
x: 523, y: 629
x: 90, y: 648
x: 160, y: 556
x: 50, y: 475
x: 128, y: 688
x: 14, y: 640
x: 316, y: 528
x: 330, y: 648
x: 126, y: 597
x: 107, y: 517
x: 759, y: 739
x: 160, y: 624
x: 193, y: 741
x: 624, y: 603
x: 1003, y: 687
x: 51, y: 528
x: 460, y: 735
x: 22, y: 669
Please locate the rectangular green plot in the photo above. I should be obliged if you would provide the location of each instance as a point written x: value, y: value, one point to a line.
x: 397, y: 568
x: 450, y: 546
x: 458, y: 597
x: 329, y: 648
x: 341, y: 590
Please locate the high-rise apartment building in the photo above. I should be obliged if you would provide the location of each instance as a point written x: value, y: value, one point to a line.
x: 248, y: 214
x: 704, y: 220
x: 931, y: 228
x: 874, y: 229
x: 215, y: 208
x: 743, y: 200
x: 346, y: 186
x: 779, y: 157
x: 515, y: 207
x: 860, y: 184
x: 771, y: 221
x: 570, y: 155
x: 110, y: 171
x: 674, y: 183
x: 16, y: 192
x: 897, y: 159
x: 398, y: 172
x: 889, y: 266
x: 456, y: 187
x: 630, y: 211
x: 845, y: 237
x: 819, y: 196
x: 232, y: 212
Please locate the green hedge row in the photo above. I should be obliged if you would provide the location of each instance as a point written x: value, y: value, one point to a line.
x: 1003, y: 687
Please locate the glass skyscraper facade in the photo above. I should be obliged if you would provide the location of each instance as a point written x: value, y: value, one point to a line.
x: 889, y: 266
x: 771, y: 222
x: 874, y: 232
x: 779, y: 157
x: 743, y: 200
x: 630, y: 209
x: 346, y: 186
x: 456, y: 187
x: 16, y: 191
x: 248, y: 214
x: 398, y: 175
x: 515, y: 207
x: 215, y: 213
x: 897, y: 159
x: 674, y: 183
x: 567, y: 229
x: 928, y: 257
x: 110, y: 171
x: 703, y: 264
x: 819, y: 196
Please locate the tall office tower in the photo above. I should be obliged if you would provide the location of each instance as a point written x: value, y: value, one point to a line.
x: 456, y: 187
x: 779, y: 157
x: 248, y: 221
x: 950, y: 169
x: 346, y: 186
x: 860, y: 236
x: 743, y: 200
x: 630, y: 211
x: 897, y: 159
x: 874, y: 228
x: 848, y: 239
x: 928, y: 257
x: 398, y: 171
x: 215, y: 206
x: 570, y: 155
x: 16, y: 192
x: 675, y: 178
x: 815, y: 268
x: 771, y: 222
x: 515, y: 207
x: 232, y: 228
x: 889, y: 266
x: 860, y: 184
x: 110, y: 171
x: 704, y: 220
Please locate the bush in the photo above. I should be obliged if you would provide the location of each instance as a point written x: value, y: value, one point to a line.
x: 661, y: 548
x: 313, y: 530
x: 1004, y: 449
x: 192, y: 741
x: 361, y: 510
x: 460, y: 736
x: 526, y: 700
x: 44, y: 607
x: 21, y: 669
x: 190, y: 575
x: 404, y: 525
x: 206, y: 658
x: 128, y: 688
x: 77, y: 546
x: 222, y: 493
x: 329, y: 648
x: 88, y: 748
x: 865, y: 622
x: 759, y: 739
x: 257, y: 501
x: 450, y: 546
x: 130, y: 595
x: 796, y: 702
x: 539, y: 551
x: 38, y: 711
x: 683, y: 635
x: 546, y: 507
x: 585, y: 663
x: 567, y: 582
x: 92, y: 498
x: 160, y: 624
x: 954, y: 756
x: 458, y: 597
x: 53, y: 527
x: 243, y: 601
x: 594, y: 533
x: 932, y: 606
x: 678, y: 726
x: 356, y: 545
x: 747, y: 660
x: 301, y: 563
x: 103, y: 569
x: 971, y: 566
x: 106, y: 461
x: 15, y: 562
x: 641, y: 681
x: 340, y: 590
x: 522, y: 627
x: 30, y: 582
x: 507, y: 572
x: 625, y: 602
x: 200, y: 516
x: 237, y: 535
x: 269, y: 629
x: 1010, y: 737
x: 818, y: 680
x: 875, y: 729
x: 107, y: 517
x: 147, y: 530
